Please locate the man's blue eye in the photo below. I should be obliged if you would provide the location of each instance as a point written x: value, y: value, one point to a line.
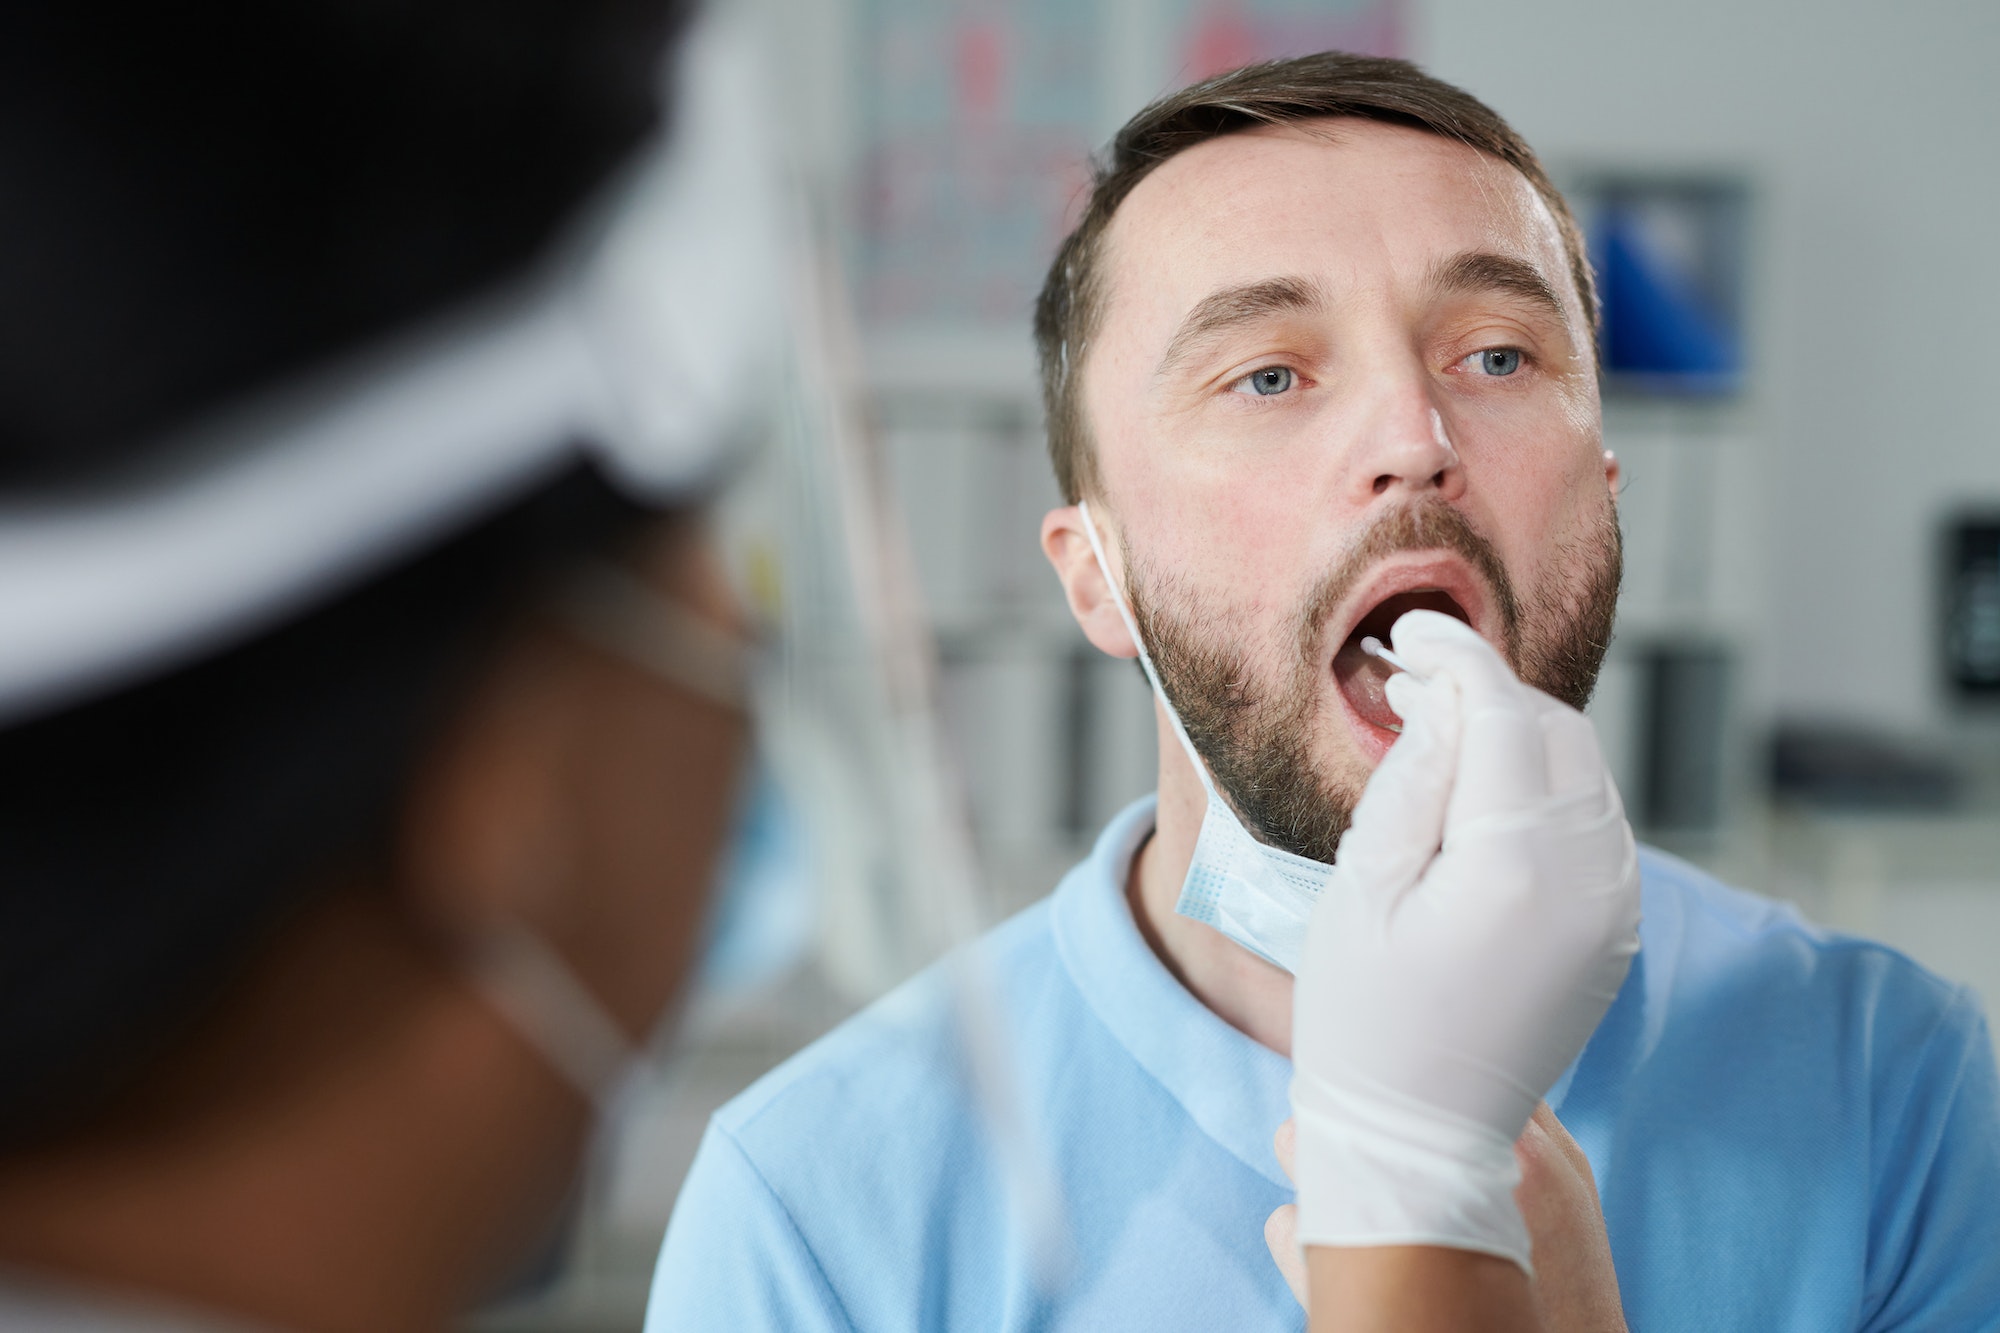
x: 1500, y: 360
x: 1270, y: 380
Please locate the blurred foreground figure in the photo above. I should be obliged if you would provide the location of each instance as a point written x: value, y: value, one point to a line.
x: 370, y: 707
x: 1319, y: 367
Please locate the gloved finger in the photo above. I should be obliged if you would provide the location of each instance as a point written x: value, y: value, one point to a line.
x: 1502, y: 763
x: 1284, y: 1145
x: 1575, y: 761
x: 1431, y: 641
x: 1413, y: 701
x: 1281, y: 1238
x: 1398, y: 824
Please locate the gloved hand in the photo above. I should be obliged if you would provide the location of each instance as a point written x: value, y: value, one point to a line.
x: 1483, y: 915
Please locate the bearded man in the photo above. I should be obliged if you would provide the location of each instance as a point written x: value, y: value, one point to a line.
x: 1319, y: 353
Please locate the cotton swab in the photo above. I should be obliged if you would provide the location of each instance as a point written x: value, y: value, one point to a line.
x: 1374, y: 647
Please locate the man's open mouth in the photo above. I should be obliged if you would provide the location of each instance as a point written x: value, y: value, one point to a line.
x: 1362, y: 679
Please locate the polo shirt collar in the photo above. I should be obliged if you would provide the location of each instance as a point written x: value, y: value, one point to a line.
x: 1230, y: 1086
x: 1235, y: 1089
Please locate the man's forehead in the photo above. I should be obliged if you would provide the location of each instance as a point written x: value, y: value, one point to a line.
x: 1347, y: 201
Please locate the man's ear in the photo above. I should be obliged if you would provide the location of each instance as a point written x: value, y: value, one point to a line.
x: 1613, y: 474
x: 1091, y: 600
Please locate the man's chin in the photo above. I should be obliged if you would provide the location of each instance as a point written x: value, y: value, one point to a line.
x: 1322, y: 788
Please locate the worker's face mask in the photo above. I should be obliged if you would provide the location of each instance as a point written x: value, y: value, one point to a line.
x: 1259, y: 896
x: 764, y: 913
x: 760, y: 917
x: 760, y: 922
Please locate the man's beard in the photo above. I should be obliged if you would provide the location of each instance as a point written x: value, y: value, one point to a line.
x: 1256, y: 735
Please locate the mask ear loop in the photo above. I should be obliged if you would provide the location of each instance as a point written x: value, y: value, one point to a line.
x: 541, y: 997
x: 519, y: 973
x: 621, y: 614
x: 1145, y: 658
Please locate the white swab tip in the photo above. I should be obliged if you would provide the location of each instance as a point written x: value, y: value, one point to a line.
x: 1373, y: 647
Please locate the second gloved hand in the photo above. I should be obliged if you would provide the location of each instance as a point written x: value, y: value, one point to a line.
x: 1482, y: 917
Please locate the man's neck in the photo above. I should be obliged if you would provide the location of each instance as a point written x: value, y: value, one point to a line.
x: 1249, y: 994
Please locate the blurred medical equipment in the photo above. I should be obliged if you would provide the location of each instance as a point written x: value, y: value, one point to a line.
x: 1972, y: 605
x: 1834, y: 766
x: 1480, y: 922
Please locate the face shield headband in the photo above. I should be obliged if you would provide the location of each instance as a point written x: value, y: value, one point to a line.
x: 622, y: 350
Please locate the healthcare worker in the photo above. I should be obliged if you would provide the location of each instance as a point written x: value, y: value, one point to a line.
x: 370, y: 700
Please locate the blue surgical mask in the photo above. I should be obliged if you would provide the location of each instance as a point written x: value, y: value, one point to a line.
x: 1259, y: 896
x: 530, y: 982
x: 762, y: 919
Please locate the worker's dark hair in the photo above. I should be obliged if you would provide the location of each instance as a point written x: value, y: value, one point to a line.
x: 198, y: 201
x: 1278, y: 92
x: 197, y: 198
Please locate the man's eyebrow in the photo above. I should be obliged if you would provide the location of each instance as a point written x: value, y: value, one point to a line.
x: 1232, y: 307
x: 1481, y: 271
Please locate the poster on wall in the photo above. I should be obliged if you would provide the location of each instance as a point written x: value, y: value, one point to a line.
x: 1218, y: 35
x: 1672, y: 259
x: 979, y: 116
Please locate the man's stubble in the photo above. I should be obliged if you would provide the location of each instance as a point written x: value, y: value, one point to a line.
x: 1256, y: 734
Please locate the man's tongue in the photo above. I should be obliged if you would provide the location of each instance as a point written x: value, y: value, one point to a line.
x: 1363, y: 680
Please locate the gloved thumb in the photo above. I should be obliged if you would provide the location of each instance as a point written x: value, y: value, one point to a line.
x: 1502, y: 759
x: 1398, y: 823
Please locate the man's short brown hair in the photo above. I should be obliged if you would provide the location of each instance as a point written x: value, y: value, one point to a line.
x: 1278, y: 92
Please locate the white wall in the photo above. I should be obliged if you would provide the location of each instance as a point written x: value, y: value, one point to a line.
x: 1868, y: 129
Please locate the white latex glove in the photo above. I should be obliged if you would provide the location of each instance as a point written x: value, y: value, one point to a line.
x: 1482, y: 917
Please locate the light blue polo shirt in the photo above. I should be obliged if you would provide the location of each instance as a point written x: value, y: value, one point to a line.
x: 1791, y: 1130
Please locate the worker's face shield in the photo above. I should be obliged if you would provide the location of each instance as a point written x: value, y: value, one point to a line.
x: 687, y: 342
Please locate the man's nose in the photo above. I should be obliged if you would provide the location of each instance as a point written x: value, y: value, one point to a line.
x: 1403, y: 448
